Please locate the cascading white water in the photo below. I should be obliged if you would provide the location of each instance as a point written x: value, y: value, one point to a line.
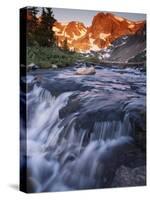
x: 43, y: 124
x: 57, y: 156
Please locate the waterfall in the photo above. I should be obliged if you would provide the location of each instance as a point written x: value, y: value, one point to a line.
x: 58, y: 158
x: 43, y: 123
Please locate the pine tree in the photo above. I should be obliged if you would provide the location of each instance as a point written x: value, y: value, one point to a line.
x: 51, y: 20
x: 45, y: 34
x: 65, y: 45
x: 32, y: 23
x: 40, y: 31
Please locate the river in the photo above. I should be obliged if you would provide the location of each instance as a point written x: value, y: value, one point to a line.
x: 80, y: 128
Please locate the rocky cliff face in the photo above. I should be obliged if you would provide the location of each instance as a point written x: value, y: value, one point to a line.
x: 105, y: 29
x: 129, y: 48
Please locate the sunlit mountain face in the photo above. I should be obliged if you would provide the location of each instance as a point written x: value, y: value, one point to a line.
x: 104, y: 29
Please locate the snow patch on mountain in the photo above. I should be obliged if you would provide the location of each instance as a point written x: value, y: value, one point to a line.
x: 93, y: 46
x: 106, y: 55
x: 55, y: 29
x: 91, y: 41
x: 119, y: 18
x: 82, y: 32
x: 104, y: 36
x: 131, y: 26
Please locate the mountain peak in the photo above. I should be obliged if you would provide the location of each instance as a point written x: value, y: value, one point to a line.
x: 105, y: 28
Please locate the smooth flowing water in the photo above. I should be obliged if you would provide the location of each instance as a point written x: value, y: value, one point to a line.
x: 76, y: 125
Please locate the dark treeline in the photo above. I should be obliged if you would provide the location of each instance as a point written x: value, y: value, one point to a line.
x: 39, y: 27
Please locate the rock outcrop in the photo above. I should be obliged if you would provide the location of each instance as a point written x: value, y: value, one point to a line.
x: 126, y: 177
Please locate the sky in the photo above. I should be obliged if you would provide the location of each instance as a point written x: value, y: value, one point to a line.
x: 86, y: 16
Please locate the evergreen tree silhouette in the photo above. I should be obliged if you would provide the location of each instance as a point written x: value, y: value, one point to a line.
x: 39, y: 29
x: 65, y: 45
x: 44, y: 33
x: 32, y: 23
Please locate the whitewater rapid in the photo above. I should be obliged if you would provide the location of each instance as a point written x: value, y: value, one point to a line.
x: 77, y: 149
x: 68, y: 159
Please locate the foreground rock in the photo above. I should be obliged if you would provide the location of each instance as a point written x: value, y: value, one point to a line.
x: 126, y: 176
x: 32, y: 66
x: 85, y: 71
x: 140, y: 131
x: 54, y: 66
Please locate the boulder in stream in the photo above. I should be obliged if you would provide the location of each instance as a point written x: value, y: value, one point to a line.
x: 32, y: 66
x: 85, y: 71
x: 54, y: 66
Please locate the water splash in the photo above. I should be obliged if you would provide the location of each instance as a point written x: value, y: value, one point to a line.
x: 58, y: 158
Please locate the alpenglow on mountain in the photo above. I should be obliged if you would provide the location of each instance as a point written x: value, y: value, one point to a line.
x: 105, y: 28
